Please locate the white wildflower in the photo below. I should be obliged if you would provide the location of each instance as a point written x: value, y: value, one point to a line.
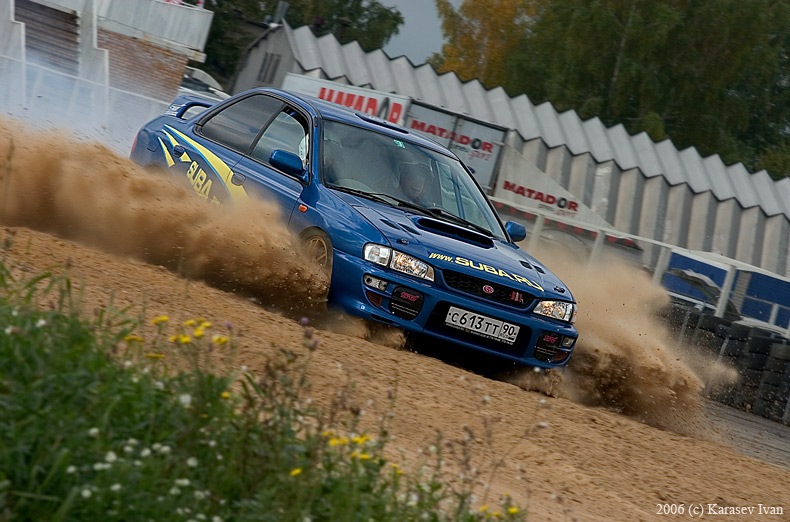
x: 115, y: 487
x: 145, y: 452
x: 71, y: 469
x: 185, y: 399
x: 111, y: 457
x: 93, y: 432
x: 175, y: 491
x: 192, y: 462
x: 86, y: 493
x: 182, y: 482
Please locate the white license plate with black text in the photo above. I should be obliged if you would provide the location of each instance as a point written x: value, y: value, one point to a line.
x: 482, y: 325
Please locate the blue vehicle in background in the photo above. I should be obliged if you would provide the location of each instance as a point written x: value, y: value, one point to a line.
x: 409, y: 237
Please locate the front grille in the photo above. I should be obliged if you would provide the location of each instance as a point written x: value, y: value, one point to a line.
x: 474, y: 285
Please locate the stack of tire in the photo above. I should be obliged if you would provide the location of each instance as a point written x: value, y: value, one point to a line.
x: 733, y: 348
x: 763, y: 363
x: 774, y: 391
x: 761, y: 358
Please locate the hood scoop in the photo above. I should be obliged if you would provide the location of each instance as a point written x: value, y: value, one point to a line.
x: 450, y: 230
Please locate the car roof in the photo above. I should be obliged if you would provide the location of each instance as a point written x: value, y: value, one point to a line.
x: 332, y: 111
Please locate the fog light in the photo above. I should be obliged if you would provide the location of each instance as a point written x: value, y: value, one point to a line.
x: 375, y: 282
x: 567, y: 342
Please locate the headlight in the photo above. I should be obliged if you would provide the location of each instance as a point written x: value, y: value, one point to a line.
x: 385, y: 256
x: 377, y: 254
x: 562, y: 310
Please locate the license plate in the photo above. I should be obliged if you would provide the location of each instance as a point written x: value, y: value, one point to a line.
x: 481, y: 325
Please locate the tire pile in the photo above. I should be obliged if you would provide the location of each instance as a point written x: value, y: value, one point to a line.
x: 761, y: 357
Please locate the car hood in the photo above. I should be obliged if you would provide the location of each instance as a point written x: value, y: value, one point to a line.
x: 448, y: 246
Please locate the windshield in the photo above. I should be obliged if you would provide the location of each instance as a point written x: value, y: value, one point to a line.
x: 404, y: 174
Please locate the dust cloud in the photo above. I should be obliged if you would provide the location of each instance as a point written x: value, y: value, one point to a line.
x: 626, y: 359
x: 84, y: 191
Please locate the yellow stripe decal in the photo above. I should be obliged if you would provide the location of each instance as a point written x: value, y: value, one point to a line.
x: 237, y: 193
x: 184, y: 157
x: 168, y: 158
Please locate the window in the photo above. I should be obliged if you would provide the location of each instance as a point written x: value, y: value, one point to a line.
x: 287, y: 132
x: 236, y: 126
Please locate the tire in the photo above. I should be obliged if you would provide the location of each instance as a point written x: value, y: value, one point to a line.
x: 761, y: 345
x: 780, y: 351
x: 773, y: 379
x: 776, y: 365
x: 318, y: 247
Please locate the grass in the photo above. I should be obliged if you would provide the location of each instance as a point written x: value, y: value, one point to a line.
x: 97, y: 424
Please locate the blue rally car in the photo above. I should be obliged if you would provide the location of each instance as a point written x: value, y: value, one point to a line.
x: 409, y: 237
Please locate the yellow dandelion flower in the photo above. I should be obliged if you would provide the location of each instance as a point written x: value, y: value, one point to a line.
x: 343, y: 440
x: 225, y: 395
x: 364, y: 456
x: 205, y: 324
x: 219, y: 339
x: 496, y: 514
x: 399, y: 472
x: 198, y: 333
x: 184, y: 339
x: 160, y: 319
x: 394, y: 465
x: 155, y: 355
x: 484, y: 508
x: 326, y: 433
x: 512, y: 510
x: 296, y: 471
x: 334, y: 441
x: 173, y: 338
x: 133, y: 338
x: 361, y: 440
x: 190, y: 322
x: 201, y: 319
x: 354, y: 454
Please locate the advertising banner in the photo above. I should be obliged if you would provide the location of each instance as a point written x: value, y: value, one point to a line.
x: 477, y: 144
x: 387, y: 106
x: 521, y: 182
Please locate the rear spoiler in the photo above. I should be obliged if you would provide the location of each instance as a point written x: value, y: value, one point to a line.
x: 181, y: 104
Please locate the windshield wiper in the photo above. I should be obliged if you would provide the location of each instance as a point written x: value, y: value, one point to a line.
x: 375, y: 196
x: 442, y: 213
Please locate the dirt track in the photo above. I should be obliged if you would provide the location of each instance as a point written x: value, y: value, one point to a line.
x: 588, y: 462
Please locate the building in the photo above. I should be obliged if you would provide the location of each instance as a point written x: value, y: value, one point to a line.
x: 638, y: 186
x: 95, y: 64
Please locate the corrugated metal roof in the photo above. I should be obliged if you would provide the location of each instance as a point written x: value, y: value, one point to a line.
x: 378, y: 71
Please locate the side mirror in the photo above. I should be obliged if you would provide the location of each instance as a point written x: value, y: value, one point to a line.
x: 516, y: 231
x: 289, y: 163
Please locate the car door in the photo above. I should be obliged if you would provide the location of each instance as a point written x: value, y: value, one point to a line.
x: 287, y: 131
x: 222, y: 138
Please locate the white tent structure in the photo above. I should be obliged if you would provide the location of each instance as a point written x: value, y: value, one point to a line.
x: 639, y: 186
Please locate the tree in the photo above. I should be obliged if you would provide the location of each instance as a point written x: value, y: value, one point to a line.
x: 367, y: 21
x: 707, y: 73
x: 480, y: 35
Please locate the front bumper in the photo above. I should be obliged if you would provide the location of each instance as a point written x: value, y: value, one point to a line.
x: 422, y: 306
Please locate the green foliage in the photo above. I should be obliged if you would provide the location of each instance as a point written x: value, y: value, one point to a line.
x: 710, y: 74
x: 369, y: 22
x: 95, y: 425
